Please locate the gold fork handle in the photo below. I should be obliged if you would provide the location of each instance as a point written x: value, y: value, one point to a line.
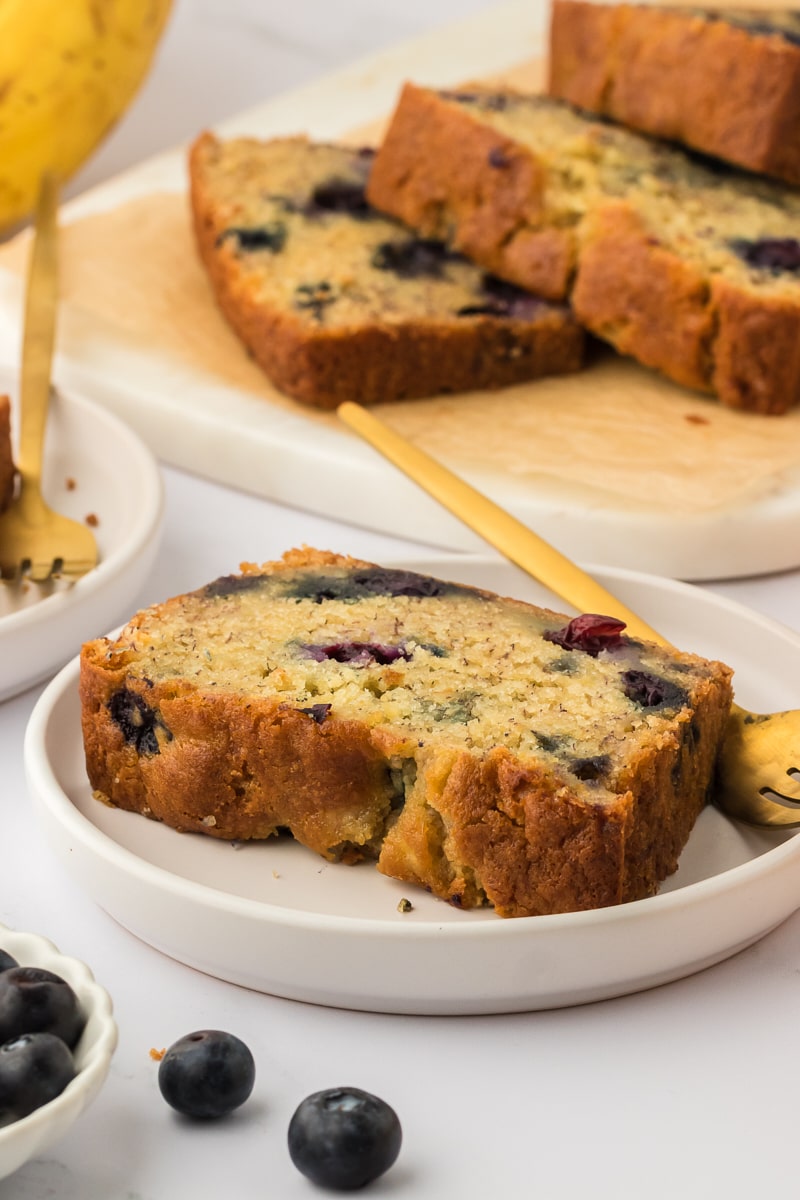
x: 513, y: 539
x: 37, y: 349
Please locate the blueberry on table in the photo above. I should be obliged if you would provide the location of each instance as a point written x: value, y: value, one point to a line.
x: 6, y: 961
x: 206, y: 1074
x: 34, y: 1069
x: 33, y: 1000
x: 344, y: 1138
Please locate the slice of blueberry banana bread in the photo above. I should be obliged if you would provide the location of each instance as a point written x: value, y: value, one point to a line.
x: 336, y: 302
x: 691, y: 269
x: 487, y: 750
x: 7, y: 472
x: 725, y: 81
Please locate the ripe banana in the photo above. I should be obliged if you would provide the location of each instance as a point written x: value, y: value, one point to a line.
x: 68, y: 69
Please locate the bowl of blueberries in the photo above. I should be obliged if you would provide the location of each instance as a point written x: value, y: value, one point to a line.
x: 57, y: 1036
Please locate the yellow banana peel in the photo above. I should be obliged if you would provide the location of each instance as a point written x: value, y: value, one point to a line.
x: 68, y: 70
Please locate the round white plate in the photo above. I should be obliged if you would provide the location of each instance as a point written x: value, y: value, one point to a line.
x: 274, y: 917
x: 94, y: 466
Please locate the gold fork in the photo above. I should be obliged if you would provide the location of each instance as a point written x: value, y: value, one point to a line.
x: 761, y: 752
x: 35, y: 541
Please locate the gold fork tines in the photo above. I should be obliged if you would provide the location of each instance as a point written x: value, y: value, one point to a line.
x: 759, y: 765
x: 35, y: 541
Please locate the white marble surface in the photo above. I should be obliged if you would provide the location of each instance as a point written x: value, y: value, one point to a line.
x: 685, y: 1091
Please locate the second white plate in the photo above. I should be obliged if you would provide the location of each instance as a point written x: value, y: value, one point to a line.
x: 274, y: 917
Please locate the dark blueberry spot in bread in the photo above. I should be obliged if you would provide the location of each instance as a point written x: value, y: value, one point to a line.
x: 456, y: 901
x: 651, y: 691
x: 412, y: 258
x: 315, y: 297
x: 317, y: 712
x: 339, y: 196
x: 589, y: 632
x: 592, y: 768
x: 228, y: 585
x: 459, y: 97
x: 501, y: 299
x: 759, y: 27
x: 136, y: 720
x: 771, y: 254
x: 551, y: 744
x: 271, y: 236
x: 380, y: 581
x: 357, y: 654
x: 432, y: 648
x: 352, y: 586
x: 494, y: 101
x: 497, y: 157
x: 564, y: 665
x: 456, y: 711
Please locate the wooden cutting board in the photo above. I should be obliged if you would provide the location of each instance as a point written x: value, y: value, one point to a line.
x: 614, y: 465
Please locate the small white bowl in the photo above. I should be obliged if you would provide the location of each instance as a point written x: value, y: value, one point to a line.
x: 29, y: 1136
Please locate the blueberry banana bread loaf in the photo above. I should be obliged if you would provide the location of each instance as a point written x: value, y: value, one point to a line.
x: 7, y: 473
x: 725, y: 81
x: 487, y: 750
x: 692, y: 270
x: 336, y: 302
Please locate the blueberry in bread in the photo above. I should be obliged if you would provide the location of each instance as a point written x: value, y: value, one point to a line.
x: 336, y: 302
x: 724, y: 81
x: 691, y: 269
x: 485, y: 749
x: 7, y: 471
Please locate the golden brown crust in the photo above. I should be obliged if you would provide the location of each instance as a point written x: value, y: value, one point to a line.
x: 664, y: 309
x: 382, y: 360
x: 7, y: 471
x: 232, y: 770
x: 520, y: 833
x: 679, y: 75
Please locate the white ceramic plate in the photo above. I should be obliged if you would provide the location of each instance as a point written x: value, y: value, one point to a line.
x: 93, y: 466
x: 34, y: 1133
x: 274, y: 917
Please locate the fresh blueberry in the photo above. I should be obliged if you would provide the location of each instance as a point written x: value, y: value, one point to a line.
x: 33, y: 1000
x: 6, y: 961
x: 206, y: 1074
x: 344, y: 1138
x: 34, y: 1068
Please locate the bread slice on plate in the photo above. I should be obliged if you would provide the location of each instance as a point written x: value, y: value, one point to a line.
x: 485, y: 749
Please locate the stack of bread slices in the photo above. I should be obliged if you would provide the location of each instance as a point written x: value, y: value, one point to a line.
x: 649, y: 198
